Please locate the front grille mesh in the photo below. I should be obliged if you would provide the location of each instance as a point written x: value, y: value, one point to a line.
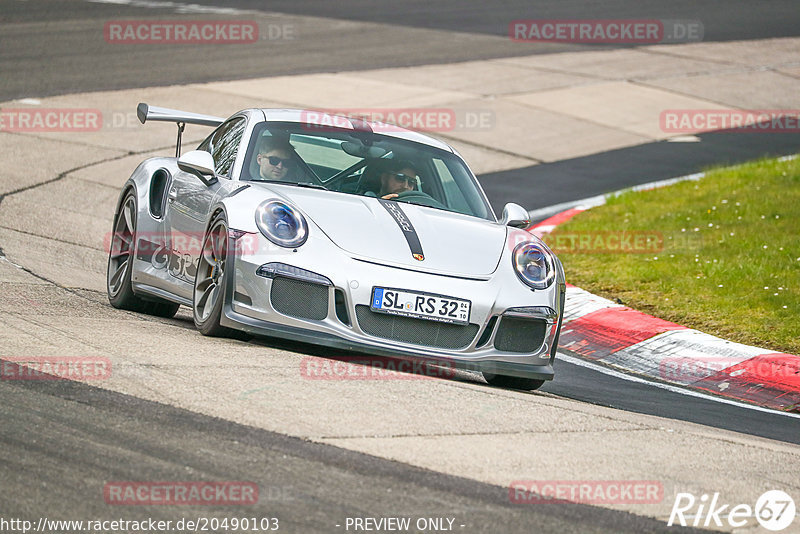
x: 296, y: 298
x: 415, y: 331
x: 520, y: 335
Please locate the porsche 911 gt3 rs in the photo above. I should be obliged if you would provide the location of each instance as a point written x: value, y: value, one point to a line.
x: 303, y: 242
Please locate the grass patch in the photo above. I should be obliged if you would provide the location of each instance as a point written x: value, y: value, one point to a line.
x: 728, y: 260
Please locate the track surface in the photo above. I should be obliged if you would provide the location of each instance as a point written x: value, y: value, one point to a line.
x: 59, y: 434
x: 589, y: 385
x: 738, y: 21
x: 588, y: 176
x: 51, y: 47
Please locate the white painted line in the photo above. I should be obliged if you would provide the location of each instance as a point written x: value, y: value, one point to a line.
x: 684, y: 139
x: 674, y: 389
x: 580, y: 302
x: 660, y: 183
x: 592, y: 202
x: 599, y: 200
x: 179, y: 7
x: 540, y: 230
x: 544, y: 213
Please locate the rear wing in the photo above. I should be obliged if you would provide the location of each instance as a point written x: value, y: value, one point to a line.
x: 146, y: 113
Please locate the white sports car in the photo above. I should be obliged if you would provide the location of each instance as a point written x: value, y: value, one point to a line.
x: 336, y: 231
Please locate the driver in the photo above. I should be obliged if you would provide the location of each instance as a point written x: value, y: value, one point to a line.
x: 397, y: 177
x: 276, y: 158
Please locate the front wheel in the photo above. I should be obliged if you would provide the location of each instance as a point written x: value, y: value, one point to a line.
x: 513, y: 382
x: 209, y: 281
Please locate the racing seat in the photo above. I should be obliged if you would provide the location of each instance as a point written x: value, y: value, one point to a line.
x: 370, y: 181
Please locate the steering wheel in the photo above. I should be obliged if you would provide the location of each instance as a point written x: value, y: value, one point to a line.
x: 419, y: 197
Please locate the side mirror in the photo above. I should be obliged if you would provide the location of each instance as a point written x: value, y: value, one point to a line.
x: 200, y: 163
x: 516, y: 216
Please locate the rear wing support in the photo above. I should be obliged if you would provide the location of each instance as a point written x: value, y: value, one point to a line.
x: 181, y: 118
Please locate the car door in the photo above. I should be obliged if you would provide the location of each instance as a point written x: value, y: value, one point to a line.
x: 189, y: 201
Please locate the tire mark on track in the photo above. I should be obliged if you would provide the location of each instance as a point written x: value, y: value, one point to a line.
x: 49, y: 238
x: 74, y: 291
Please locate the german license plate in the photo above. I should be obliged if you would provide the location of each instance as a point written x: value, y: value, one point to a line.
x: 420, y: 305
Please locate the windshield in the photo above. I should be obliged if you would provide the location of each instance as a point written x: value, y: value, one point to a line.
x: 361, y: 163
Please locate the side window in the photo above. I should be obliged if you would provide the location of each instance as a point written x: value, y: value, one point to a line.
x: 206, y: 144
x: 224, y: 144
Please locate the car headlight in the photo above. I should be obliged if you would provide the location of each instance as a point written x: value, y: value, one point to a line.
x: 281, y: 224
x: 534, y: 265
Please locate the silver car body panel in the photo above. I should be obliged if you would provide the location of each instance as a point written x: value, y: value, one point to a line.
x: 353, y: 243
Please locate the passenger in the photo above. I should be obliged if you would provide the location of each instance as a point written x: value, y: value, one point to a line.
x: 276, y: 157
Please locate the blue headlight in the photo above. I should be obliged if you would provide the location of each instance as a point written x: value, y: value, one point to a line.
x: 281, y: 224
x: 534, y: 265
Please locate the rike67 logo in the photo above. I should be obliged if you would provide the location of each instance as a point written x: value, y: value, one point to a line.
x: 774, y: 510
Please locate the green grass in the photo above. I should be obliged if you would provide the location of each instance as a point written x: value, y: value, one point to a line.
x: 730, y: 262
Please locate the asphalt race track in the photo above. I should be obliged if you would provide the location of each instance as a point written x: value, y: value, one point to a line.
x: 310, y: 487
x: 191, y: 408
x: 588, y: 176
x: 52, y: 45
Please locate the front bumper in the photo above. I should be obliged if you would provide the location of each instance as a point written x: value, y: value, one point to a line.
x: 347, y: 282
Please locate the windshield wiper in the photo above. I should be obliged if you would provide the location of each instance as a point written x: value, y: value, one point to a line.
x: 307, y: 184
x: 296, y: 184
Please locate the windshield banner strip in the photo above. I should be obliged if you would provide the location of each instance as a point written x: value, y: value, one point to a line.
x: 405, y: 225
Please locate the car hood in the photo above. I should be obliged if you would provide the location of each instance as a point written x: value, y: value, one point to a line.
x: 451, y: 243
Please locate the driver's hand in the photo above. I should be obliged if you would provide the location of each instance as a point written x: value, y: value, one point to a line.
x: 389, y: 196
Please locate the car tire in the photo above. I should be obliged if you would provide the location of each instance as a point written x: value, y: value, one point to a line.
x: 512, y: 382
x: 209, y: 283
x: 120, y: 265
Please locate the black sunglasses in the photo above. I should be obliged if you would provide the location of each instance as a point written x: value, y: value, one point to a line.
x: 275, y: 160
x: 412, y: 180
